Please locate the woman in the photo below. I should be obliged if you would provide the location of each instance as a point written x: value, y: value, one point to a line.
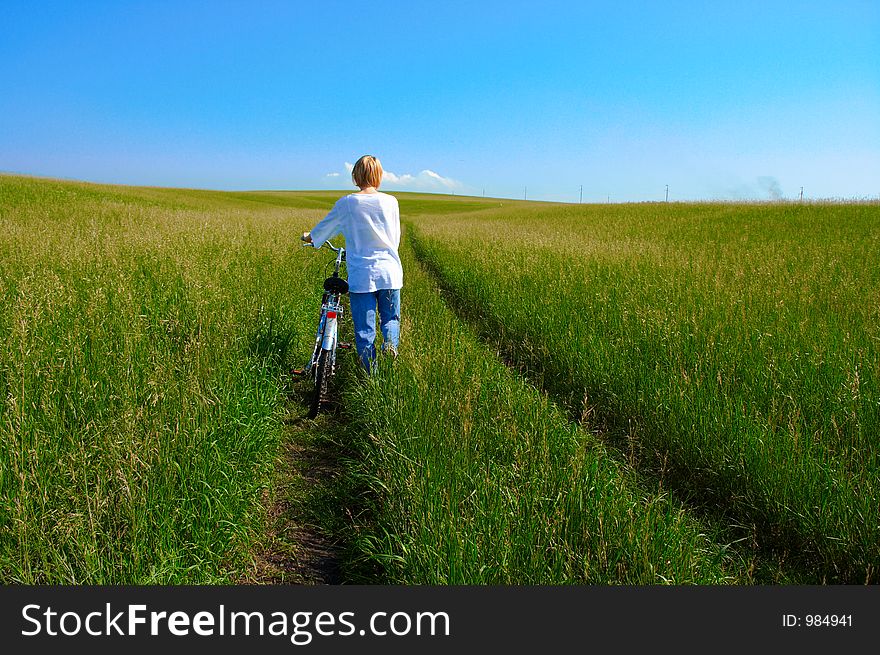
x: 370, y: 222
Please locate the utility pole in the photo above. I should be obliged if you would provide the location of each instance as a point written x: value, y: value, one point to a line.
x: 484, y: 192
x: 525, y: 192
x: 667, y: 193
x: 581, y: 199
x: 609, y: 200
x: 802, y: 194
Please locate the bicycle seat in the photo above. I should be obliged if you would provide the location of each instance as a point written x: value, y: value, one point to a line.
x: 335, y: 285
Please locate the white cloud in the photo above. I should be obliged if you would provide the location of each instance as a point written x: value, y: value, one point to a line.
x: 427, y: 180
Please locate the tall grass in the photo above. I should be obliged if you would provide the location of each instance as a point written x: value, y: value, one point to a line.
x: 728, y: 355
x: 144, y: 334
x: 478, y: 478
x: 142, y: 337
x: 732, y: 350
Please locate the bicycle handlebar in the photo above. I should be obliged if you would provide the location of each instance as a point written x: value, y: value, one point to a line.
x: 326, y: 243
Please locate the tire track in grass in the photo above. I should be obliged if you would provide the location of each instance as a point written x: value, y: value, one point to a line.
x: 317, y: 502
x: 774, y: 556
x: 307, y: 538
x: 476, y: 478
x: 767, y: 562
x: 300, y: 545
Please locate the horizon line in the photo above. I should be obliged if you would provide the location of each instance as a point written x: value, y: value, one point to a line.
x: 793, y: 201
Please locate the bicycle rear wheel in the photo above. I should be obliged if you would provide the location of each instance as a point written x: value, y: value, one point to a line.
x: 323, y: 373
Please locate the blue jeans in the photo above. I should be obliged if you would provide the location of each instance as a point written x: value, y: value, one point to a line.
x: 363, y: 315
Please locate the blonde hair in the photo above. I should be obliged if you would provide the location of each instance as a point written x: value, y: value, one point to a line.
x: 367, y: 172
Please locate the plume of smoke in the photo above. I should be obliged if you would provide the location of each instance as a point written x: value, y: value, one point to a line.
x: 770, y: 186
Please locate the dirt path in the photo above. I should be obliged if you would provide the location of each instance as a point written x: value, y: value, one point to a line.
x: 302, y: 507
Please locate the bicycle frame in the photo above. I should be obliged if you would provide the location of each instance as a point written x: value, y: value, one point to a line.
x: 327, y: 335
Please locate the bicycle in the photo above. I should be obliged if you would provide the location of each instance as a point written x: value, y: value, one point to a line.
x: 322, y: 365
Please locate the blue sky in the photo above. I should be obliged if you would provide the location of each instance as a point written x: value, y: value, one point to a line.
x: 719, y: 100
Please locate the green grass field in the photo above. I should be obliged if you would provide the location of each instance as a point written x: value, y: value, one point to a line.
x: 623, y: 394
x: 732, y: 352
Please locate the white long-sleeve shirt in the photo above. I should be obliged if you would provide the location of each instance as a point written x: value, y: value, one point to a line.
x: 370, y: 223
